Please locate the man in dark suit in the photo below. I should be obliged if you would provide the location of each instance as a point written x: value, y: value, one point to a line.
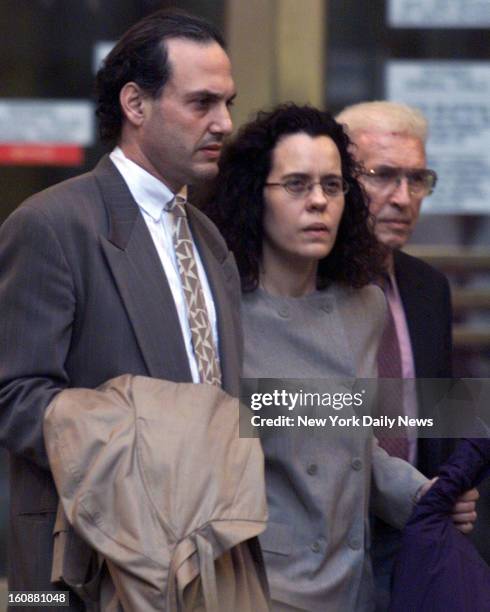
x: 389, y: 141
x: 92, y: 281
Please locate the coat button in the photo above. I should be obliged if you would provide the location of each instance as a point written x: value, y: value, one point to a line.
x: 356, y: 463
x: 315, y: 547
x: 283, y: 312
x: 327, y: 307
x: 312, y: 469
x: 355, y: 543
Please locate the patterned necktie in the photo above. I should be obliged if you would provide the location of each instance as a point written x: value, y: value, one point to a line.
x: 391, y: 392
x: 197, y: 313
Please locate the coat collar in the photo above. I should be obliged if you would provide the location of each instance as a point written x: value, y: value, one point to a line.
x: 417, y: 301
x: 143, y: 285
x: 406, y: 279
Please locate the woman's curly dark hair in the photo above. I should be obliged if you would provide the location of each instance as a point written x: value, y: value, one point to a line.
x: 236, y: 203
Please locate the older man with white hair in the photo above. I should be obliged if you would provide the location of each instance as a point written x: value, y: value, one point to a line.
x: 389, y: 141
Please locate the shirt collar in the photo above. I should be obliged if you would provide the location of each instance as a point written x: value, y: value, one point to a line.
x: 387, y: 282
x: 150, y: 193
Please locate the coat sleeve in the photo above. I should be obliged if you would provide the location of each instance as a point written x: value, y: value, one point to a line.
x: 395, y: 485
x: 37, y: 305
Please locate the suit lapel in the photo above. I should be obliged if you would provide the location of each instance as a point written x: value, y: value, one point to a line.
x: 140, y: 279
x: 416, y: 301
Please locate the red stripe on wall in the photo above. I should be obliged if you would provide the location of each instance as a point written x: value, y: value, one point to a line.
x: 27, y: 154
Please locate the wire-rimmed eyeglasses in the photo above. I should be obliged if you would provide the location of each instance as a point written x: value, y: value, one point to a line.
x: 421, y: 181
x: 332, y: 186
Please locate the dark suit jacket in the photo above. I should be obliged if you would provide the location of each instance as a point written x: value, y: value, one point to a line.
x: 427, y: 303
x: 83, y: 299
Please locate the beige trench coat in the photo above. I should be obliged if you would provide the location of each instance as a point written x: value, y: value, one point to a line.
x: 154, y: 477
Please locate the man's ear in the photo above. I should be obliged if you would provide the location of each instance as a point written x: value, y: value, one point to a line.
x: 134, y: 103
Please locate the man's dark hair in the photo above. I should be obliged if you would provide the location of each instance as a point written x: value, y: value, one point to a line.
x: 236, y: 203
x: 141, y: 56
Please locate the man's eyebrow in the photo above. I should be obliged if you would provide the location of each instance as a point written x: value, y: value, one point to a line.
x: 296, y: 175
x: 208, y: 94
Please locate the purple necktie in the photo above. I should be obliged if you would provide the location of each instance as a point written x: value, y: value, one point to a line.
x: 390, y: 398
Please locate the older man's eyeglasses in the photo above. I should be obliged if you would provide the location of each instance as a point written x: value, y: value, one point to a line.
x: 332, y: 186
x: 421, y: 182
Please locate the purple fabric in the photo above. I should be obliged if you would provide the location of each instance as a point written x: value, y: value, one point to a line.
x: 438, y: 568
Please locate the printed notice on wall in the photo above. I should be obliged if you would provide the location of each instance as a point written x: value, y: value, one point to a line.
x: 45, y: 132
x: 46, y: 121
x: 455, y: 97
x: 438, y: 13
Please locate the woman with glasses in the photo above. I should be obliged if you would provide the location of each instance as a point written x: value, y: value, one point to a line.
x: 289, y: 205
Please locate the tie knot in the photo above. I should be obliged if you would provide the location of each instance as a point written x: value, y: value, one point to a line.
x: 177, y: 206
x: 384, y: 282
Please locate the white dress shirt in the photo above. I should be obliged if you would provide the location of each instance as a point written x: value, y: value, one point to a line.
x: 151, y: 196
